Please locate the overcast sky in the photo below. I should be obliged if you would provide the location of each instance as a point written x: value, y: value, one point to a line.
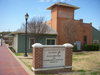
x: 12, y: 11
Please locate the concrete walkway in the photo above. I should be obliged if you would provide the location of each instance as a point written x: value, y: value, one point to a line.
x: 8, y: 64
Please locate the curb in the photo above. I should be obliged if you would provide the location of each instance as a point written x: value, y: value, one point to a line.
x: 20, y: 62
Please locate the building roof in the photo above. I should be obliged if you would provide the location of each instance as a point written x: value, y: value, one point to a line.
x: 62, y: 4
x: 8, y: 35
x: 49, y: 31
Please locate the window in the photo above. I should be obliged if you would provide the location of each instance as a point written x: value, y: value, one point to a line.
x: 50, y: 41
x: 31, y: 42
x: 85, y: 39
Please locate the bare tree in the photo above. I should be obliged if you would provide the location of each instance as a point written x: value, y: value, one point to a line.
x: 71, y: 29
x: 37, y: 25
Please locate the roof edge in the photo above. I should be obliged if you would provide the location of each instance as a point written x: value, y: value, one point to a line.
x: 63, y: 4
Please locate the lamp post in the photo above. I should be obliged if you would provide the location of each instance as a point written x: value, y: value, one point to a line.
x: 1, y: 39
x: 26, y: 18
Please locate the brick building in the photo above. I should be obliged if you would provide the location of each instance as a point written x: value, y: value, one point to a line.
x: 69, y: 29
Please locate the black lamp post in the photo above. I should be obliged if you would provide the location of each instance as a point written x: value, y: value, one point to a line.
x: 1, y: 39
x: 26, y: 18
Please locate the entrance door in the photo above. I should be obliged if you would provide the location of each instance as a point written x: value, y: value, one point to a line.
x: 85, y: 39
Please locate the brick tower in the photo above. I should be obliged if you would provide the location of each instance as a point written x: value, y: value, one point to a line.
x: 61, y: 13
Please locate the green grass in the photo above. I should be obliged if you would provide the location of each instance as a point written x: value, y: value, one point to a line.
x: 22, y: 54
x: 95, y: 73
x: 85, y: 72
x: 88, y: 63
x: 74, y: 59
x: 81, y: 71
x: 19, y: 54
x: 27, y: 62
x: 44, y: 74
x: 80, y: 53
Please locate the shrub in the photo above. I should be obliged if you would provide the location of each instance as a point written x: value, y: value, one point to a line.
x: 75, y: 48
x: 92, y: 47
x: 12, y: 49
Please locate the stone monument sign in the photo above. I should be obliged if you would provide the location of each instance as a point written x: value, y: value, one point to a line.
x: 48, y: 59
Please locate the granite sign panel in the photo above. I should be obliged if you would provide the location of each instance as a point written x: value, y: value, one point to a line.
x: 53, y: 57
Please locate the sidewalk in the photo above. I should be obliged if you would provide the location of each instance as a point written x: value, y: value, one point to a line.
x: 8, y: 64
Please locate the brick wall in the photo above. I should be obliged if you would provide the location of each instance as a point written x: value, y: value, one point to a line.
x: 60, y: 15
x: 37, y: 57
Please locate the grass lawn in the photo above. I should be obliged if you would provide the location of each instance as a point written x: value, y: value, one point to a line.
x: 87, y: 62
x: 27, y: 62
x: 22, y: 54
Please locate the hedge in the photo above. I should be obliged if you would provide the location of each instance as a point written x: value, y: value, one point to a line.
x: 92, y: 47
x: 75, y: 48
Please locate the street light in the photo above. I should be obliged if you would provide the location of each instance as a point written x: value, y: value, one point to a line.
x: 1, y: 39
x: 26, y: 18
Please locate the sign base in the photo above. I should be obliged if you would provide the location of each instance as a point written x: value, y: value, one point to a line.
x: 52, y: 71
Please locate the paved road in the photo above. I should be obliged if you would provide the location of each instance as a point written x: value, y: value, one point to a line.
x: 8, y: 64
